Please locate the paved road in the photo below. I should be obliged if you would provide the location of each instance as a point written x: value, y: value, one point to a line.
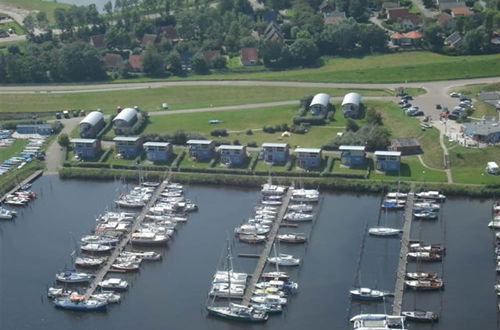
x: 54, y: 153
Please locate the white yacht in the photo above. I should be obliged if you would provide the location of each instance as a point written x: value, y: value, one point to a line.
x: 116, y: 284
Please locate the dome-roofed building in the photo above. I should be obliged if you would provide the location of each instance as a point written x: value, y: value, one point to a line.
x: 319, y: 104
x: 91, y: 124
x: 351, y: 105
x: 126, y: 118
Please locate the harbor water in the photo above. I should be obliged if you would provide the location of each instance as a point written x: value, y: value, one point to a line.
x: 172, y: 293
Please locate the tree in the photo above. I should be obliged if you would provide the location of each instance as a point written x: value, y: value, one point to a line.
x: 29, y: 23
x: 174, y: 63
x: 13, y: 49
x: 108, y: 7
x: 373, y: 117
x: 63, y: 140
x: 428, y: 3
x: 433, y: 37
x: 80, y: 62
x: 304, y: 52
x: 351, y: 125
x: 199, y: 64
x: 153, y: 62
x: 476, y: 41
x: 219, y: 62
x: 42, y: 20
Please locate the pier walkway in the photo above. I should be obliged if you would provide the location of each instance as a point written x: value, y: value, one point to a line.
x: 29, y: 179
x: 261, y: 263
x: 401, y: 271
x: 99, y: 276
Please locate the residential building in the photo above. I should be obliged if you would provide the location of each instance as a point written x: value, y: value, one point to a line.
x: 351, y: 156
x: 406, y: 19
x: 97, y: 41
x: 407, y: 146
x: 135, y: 62
x: 273, y: 33
x: 148, y: 40
x: 461, y: 11
x: 445, y: 20
x: 158, y: 151
x: 275, y: 152
x: 86, y: 148
x: 308, y: 158
x: 232, y: 155
x: 126, y: 118
x: 201, y: 149
x: 484, y: 131
x: 387, y: 160
x: 411, y: 38
x: 170, y: 34
x: 112, y: 62
x: 91, y: 124
x: 128, y: 146
x: 249, y: 56
x: 334, y: 17
x: 319, y: 104
x: 351, y: 105
x: 42, y: 129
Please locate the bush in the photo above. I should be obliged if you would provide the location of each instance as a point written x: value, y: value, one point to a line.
x: 328, y: 167
x: 289, y: 163
x: 63, y: 140
x: 219, y: 132
x: 312, y: 120
x: 298, y: 129
x: 57, y: 127
x: 249, y: 131
x: 252, y: 144
x: 236, y: 142
x: 269, y: 129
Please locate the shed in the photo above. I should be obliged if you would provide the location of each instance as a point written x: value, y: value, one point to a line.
x: 249, y: 56
x: 387, y: 160
x: 319, y: 104
x: 351, y: 105
x: 232, y: 155
x: 126, y: 118
x: 352, y: 155
x: 483, y: 131
x: 274, y: 152
x: 407, y: 146
x: 201, y: 149
x: 42, y: 129
x: 158, y: 151
x: 128, y: 146
x: 86, y: 148
x: 308, y: 158
x: 91, y: 124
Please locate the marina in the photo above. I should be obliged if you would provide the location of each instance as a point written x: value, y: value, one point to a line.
x: 158, y: 297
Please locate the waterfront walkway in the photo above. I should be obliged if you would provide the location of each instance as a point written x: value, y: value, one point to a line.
x: 261, y: 263
x: 99, y: 276
x: 401, y: 271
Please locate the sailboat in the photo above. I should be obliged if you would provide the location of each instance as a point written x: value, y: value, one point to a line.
x: 234, y: 311
x: 384, y: 231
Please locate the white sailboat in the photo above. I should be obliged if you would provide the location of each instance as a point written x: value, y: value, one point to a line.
x: 384, y: 231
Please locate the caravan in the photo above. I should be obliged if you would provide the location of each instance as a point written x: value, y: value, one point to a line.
x: 492, y: 168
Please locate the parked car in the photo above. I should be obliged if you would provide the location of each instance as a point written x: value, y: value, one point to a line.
x: 65, y: 114
x: 455, y: 94
x: 58, y: 115
x: 457, y: 114
x: 407, y: 97
x: 414, y: 112
x: 406, y: 106
x: 465, y: 105
x: 402, y: 101
x: 458, y: 108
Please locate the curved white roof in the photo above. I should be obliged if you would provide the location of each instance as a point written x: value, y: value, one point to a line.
x: 321, y: 99
x: 352, y: 98
x: 92, y: 118
x: 126, y: 114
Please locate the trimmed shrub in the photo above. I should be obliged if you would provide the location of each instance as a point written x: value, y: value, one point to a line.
x: 269, y: 129
x: 249, y: 131
x: 219, y: 132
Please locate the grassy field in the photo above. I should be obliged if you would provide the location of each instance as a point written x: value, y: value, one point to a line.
x: 12, y: 25
x: 178, y: 97
x: 481, y: 108
x: 39, y: 5
x: 397, y: 67
x: 468, y: 164
x: 411, y: 170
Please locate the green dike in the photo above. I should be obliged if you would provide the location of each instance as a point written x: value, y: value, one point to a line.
x: 38, y: 5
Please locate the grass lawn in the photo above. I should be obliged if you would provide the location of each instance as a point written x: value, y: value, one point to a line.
x: 481, y: 108
x: 411, y: 170
x: 468, y: 164
x: 359, y: 169
x: 178, y: 97
x: 39, y: 5
x: 12, y: 25
x: 263, y: 167
x: 13, y: 149
x: 188, y: 162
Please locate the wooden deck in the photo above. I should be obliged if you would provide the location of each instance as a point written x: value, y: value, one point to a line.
x: 99, y: 276
x: 261, y: 263
x: 401, y: 271
x: 29, y: 179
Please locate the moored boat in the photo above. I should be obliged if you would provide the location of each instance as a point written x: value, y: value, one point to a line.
x: 369, y: 294
x: 89, y: 262
x: 421, y: 316
x: 78, y: 303
x: 115, y: 284
x: 252, y: 238
x: 292, y: 238
x: 425, y: 285
x: 282, y: 276
x: 298, y: 216
x: 421, y: 276
x: 425, y: 215
x: 384, y: 231
x: 378, y: 322
x: 237, y: 312
x: 434, y: 195
x: 149, y: 238
x: 424, y: 256
x: 97, y: 248
x: 74, y: 277
x: 284, y: 260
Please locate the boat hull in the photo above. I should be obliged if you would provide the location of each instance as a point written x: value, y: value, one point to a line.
x: 220, y: 312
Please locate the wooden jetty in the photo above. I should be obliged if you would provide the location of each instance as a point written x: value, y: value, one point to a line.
x: 261, y: 263
x: 29, y: 179
x: 99, y: 276
x: 401, y: 270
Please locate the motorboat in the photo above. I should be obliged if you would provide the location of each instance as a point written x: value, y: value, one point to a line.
x: 247, y: 229
x: 298, y: 216
x: 378, y: 322
x: 224, y: 276
x: 421, y: 276
x: 292, y: 238
x: 434, y: 195
x: 421, y: 316
x: 269, y: 290
x: 269, y: 299
x: 115, y: 284
x: 424, y: 256
x: 425, y: 215
x: 149, y: 238
x: 393, y: 204
x: 150, y: 184
x: 6, y: 214
x: 271, y: 202
x: 99, y: 239
x: 74, y: 277
x: 305, y: 195
x: 271, y: 189
x: 94, y: 247
x: 285, y: 286
x: 266, y: 308
x: 227, y: 290
x: 369, y: 294
x: 76, y: 302
x: 126, y: 266
x: 253, y: 239
x: 425, y: 285
x: 109, y: 297
x: 422, y: 247
x: 89, y: 262
x: 302, y: 207
x: 284, y: 260
x: 282, y: 276
x: 397, y: 195
x: 429, y: 206
x: 384, y: 231
x: 495, y: 224
x: 237, y: 312
x: 53, y: 293
x: 146, y: 255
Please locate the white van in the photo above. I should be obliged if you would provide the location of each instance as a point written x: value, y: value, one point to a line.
x: 492, y: 168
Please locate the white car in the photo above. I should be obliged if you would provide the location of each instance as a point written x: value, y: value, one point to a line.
x: 455, y: 94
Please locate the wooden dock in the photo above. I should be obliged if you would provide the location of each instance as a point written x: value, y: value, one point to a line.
x: 99, y: 276
x: 29, y: 179
x: 401, y: 271
x: 261, y: 263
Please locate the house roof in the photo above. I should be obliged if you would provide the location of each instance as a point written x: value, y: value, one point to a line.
x: 273, y: 32
x: 413, y: 35
x: 352, y: 98
x: 126, y: 114
x: 135, y: 62
x: 92, y: 118
x: 148, y: 39
x: 274, y: 145
x: 450, y: 4
x: 453, y: 39
x: 397, y: 35
x: 112, y: 60
x: 462, y: 11
x: 97, y: 41
x: 444, y: 18
x: 387, y: 153
x: 249, y: 54
x: 270, y: 16
x: 230, y: 147
x: 395, y: 13
x: 388, y: 5
x: 482, y: 127
x: 321, y: 99
x: 309, y: 150
x: 126, y: 138
x: 354, y: 148
x: 156, y: 144
x: 199, y: 141
x: 406, y: 142
x: 83, y: 141
x: 210, y: 54
x: 334, y: 17
x: 413, y: 18
x: 170, y: 33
